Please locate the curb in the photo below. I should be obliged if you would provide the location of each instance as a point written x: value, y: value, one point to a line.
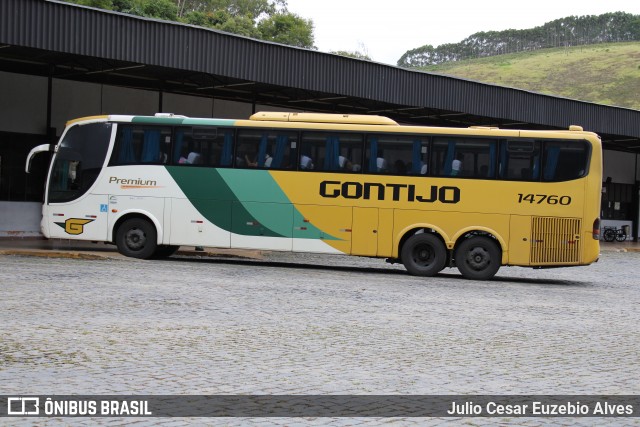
x: 629, y: 250
x: 51, y: 254
x: 253, y: 255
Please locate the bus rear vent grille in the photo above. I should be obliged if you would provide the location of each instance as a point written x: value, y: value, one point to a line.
x: 555, y: 241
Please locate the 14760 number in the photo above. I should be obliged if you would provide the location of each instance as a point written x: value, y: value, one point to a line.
x: 550, y: 199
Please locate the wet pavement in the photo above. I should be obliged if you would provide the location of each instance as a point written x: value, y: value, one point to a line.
x: 83, y: 249
x: 79, y: 318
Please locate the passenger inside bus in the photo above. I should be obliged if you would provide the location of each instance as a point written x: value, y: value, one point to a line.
x: 344, y: 163
x: 194, y: 158
x: 381, y: 162
x: 423, y: 168
x: 306, y: 163
x: 183, y: 156
x: 254, y: 163
x: 456, y: 165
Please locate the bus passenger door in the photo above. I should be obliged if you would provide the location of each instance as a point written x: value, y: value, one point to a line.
x: 83, y: 220
x: 365, y: 232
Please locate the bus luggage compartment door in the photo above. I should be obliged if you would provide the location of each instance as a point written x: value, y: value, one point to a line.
x: 364, y: 239
x: 519, y: 240
x: 323, y: 229
x: 259, y: 225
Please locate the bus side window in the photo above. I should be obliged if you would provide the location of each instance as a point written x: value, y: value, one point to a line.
x: 564, y: 160
x: 519, y: 160
x: 151, y: 152
x: 396, y: 154
x: 186, y: 149
x: 464, y: 157
x: 269, y: 149
x: 141, y: 145
x: 226, y: 138
x: 331, y: 152
x: 203, y: 146
x: 311, y: 151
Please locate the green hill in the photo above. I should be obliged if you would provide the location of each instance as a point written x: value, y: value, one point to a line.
x: 602, y: 73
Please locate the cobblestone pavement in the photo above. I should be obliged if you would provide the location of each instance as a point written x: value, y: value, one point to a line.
x: 309, y: 324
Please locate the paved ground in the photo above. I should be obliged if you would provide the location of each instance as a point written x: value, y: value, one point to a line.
x: 307, y: 324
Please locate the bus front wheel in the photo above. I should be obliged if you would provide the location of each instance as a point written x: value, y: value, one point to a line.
x: 423, y: 255
x: 478, y: 258
x: 137, y: 238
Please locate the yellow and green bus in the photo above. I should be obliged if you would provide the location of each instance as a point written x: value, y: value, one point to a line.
x: 429, y: 197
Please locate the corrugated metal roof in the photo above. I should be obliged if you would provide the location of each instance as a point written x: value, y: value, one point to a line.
x: 117, y: 40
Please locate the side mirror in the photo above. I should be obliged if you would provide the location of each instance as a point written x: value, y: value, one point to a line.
x: 35, y: 150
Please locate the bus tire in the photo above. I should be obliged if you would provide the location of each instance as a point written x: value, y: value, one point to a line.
x: 137, y: 238
x: 165, y: 251
x: 478, y: 258
x: 423, y: 255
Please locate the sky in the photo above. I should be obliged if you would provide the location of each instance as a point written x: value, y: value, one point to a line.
x: 385, y: 31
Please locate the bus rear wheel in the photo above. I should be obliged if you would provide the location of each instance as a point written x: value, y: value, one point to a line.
x: 423, y: 255
x: 478, y: 258
x: 137, y: 238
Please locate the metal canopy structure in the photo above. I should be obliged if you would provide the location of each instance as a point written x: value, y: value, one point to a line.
x: 66, y: 41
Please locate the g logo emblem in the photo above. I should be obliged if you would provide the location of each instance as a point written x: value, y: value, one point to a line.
x: 74, y: 226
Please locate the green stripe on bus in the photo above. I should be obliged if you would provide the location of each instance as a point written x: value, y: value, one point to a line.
x: 184, y: 121
x: 209, y: 122
x: 259, y: 186
x: 158, y: 120
x: 212, y: 197
x: 248, y: 196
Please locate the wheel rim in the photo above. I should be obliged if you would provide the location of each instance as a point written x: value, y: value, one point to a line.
x: 423, y: 255
x: 478, y: 258
x: 135, y: 239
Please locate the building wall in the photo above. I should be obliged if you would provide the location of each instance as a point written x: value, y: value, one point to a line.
x: 620, y: 167
x: 71, y: 99
x: 23, y: 103
x: 20, y: 219
x: 185, y: 105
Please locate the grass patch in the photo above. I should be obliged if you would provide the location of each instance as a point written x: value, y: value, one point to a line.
x: 605, y: 73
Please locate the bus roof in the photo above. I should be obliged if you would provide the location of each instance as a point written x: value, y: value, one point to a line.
x: 299, y: 120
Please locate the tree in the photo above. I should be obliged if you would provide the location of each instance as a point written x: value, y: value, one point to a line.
x: 162, y: 9
x: 569, y: 31
x: 287, y: 28
x: 100, y: 4
x: 351, y: 54
x: 263, y: 19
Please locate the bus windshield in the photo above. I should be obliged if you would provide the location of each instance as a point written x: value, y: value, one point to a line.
x: 80, y: 157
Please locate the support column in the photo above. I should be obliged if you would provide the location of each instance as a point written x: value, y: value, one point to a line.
x: 51, y: 132
x: 636, y: 203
